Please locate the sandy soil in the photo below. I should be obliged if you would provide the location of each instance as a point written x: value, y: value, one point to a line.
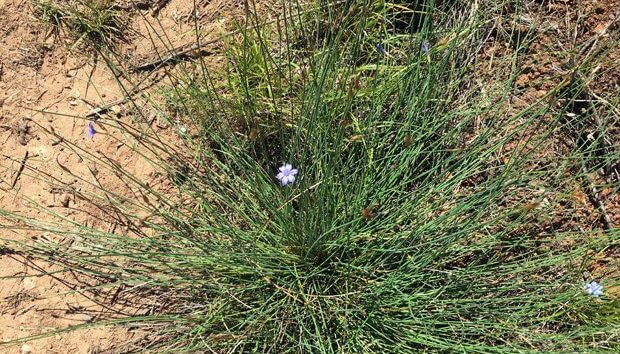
x: 38, y: 72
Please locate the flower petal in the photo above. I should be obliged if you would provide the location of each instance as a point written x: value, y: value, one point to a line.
x: 380, y: 49
x: 90, y: 130
x: 287, y: 179
x: 425, y: 47
x: 594, y: 288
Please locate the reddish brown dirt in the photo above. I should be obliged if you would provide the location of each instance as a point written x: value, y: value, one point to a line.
x: 561, y: 36
x: 583, y: 34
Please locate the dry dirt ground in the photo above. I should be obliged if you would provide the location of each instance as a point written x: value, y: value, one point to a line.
x: 40, y: 71
x: 586, y: 34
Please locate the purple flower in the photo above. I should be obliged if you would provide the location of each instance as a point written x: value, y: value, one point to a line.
x: 90, y: 131
x: 425, y: 47
x: 595, y: 289
x: 287, y: 174
x: 381, y: 50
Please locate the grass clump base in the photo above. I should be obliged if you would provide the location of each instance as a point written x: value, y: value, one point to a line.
x: 97, y: 23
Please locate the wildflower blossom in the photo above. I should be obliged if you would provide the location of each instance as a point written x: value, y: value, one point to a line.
x: 425, y: 47
x: 381, y: 50
x: 90, y: 131
x: 287, y: 174
x: 594, y: 288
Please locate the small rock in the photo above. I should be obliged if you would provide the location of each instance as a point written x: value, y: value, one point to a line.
x: 600, y: 29
x: 94, y: 349
x: 522, y: 80
x: 26, y: 349
x: 65, y: 199
x: 541, y: 93
x: 86, y: 317
x: 22, y: 131
x: 22, y: 139
x: 29, y: 283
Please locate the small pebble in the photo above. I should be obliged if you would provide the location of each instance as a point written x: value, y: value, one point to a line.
x: 75, y: 94
x: 29, y: 283
x: 65, y: 199
x: 86, y: 317
x: 94, y: 349
x: 26, y: 349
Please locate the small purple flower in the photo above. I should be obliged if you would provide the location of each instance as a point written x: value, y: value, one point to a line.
x: 595, y: 289
x: 381, y: 50
x: 425, y: 47
x: 90, y: 131
x: 287, y: 174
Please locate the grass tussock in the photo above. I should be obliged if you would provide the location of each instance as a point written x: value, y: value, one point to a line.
x: 97, y: 23
x: 428, y: 214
